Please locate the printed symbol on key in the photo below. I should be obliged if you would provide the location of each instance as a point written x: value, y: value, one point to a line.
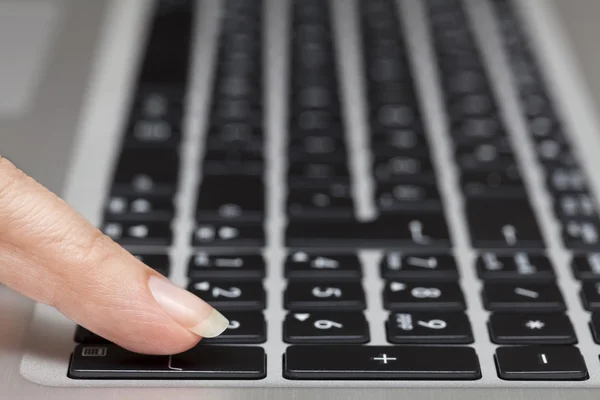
x: 510, y: 234
x: 383, y: 358
x: 94, y: 351
x: 527, y: 293
x: 537, y: 324
x: 416, y: 232
x: 170, y: 365
x: 430, y: 262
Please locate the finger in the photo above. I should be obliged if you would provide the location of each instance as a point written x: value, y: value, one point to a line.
x: 53, y: 255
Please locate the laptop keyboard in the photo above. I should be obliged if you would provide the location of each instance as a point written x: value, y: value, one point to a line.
x: 428, y: 330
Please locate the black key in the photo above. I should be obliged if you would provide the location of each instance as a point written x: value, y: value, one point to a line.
x: 422, y: 296
x: 502, y: 184
x: 518, y: 267
x: 586, y: 267
x: 140, y: 208
x: 590, y: 295
x: 403, y: 169
x: 581, y: 235
x: 523, y: 297
x: 244, y: 328
x: 154, y: 104
x: 225, y: 235
x: 407, y: 197
x: 546, y: 363
x: 406, y: 266
x: 304, y: 296
x: 390, y: 142
x: 153, y: 133
x: 231, y: 295
x: 225, y: 169
x: 85, y: 336
x: 407, y: 230
x: 317, y: 148
x: 319, y: 204
x: 566, y: 180
x: 239, y: 198
x: 226, y: 266
x: 503, y: 224
x: 148, y: 171
x: 429, y: 328
x: 595, y: 327
x: 316, y: 266
x: 235, y: 136
x: 142, y: 233
x: 484, y: 157
x: 380, y: 362
x: 531, y: 329
x: 575, y: 206
x: 201, y: 362
x: 322, y: 327
x: 158, y: 262
x: 317, y: 172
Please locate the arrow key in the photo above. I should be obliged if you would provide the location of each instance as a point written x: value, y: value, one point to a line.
x: 326, y: 327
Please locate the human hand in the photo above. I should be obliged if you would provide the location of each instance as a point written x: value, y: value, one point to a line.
x: 51, y: 254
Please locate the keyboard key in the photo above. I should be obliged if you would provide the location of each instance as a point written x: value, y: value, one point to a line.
x: 523, y: 297
x: 407, y: 197
x: 317, y: 172
x: 201, y: 362
x: 140, y: 208
x: 511, y: 225
x: 319, y: 204
x: 158, y: 262
x: 581, y: 235
x: 153, y: 133
x: 322, y: 327
x: 226, y: 235
x: 566, y: 180
x: 403, y: 169
x: 546, y: 363
x: 518, y: 267
x: 595, y: 327
x: 531, y: 329
x: 412, y: 230
x: 239, y: 198
x: 396, y: 265
x: 147, y: 172
x: 316, y: 266
x: 586, y: 267
x: 226, y: 266
x: 575, y: 206
x: 590, y: 295
x: 429, y: 328
x: 380, y: 362
x: 142, y: 233
x: 503, y: 184
x: 231, y: 295
x: 244, y: 327
x: 422, y: 296
x: 305, y: 296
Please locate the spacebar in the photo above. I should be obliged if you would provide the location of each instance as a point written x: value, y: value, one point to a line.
x: 381, y: 362
x: 411, y: 230
x: 201, y: 362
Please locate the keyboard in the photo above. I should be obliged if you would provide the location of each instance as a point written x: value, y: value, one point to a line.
x: 368, y: 223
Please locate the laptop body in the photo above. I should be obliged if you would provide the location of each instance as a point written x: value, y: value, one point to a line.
x: 419, y: 277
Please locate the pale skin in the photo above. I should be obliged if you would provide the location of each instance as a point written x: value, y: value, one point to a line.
x: 53, y: 255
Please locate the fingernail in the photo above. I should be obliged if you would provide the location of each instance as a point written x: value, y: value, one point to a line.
x: 187, y: 310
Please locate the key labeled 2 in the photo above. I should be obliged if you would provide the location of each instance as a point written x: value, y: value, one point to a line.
x: 230, y: 295
x: 423, y: 296
x: 324, y: 296
x: 325, y: 327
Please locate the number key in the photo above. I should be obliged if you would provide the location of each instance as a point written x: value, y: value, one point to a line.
x: 429, y: 327
x: 301, y: 265
x: 323, y: 327
x: 324, y: 296
x: 231, y: 295
x: 423, y: 296
x: 396, y: 265
x: 244, y: 327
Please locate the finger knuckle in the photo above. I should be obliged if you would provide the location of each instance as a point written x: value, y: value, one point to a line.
x: 96, y: 252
